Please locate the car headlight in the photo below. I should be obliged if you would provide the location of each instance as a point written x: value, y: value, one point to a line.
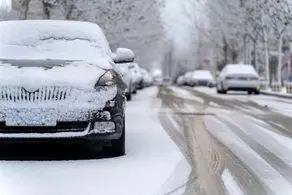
x: 107, y: 79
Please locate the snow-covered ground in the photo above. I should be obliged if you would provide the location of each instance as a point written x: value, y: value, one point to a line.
x: 153, y: 163
x: 276, y: 104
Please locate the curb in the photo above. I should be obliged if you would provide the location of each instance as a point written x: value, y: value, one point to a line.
x: 277, y: 95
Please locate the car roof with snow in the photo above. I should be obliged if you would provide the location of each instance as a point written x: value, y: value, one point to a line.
x: 240, y: 69
x: 202, y: 74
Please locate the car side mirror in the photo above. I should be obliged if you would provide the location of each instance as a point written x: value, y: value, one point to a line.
x: 123, y: 55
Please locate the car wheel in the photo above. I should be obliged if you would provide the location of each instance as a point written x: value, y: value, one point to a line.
x: 222, y: 89
x: 129, y: 96
x: 117, y: 147
x: 249, y: 92
x: 257, y: 92
x: 135, y: 90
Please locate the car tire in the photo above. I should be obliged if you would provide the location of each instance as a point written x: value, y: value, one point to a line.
x: 117, y: 147
x: 135, y: 90
x: 256, y: 92
x: 249, y: 92
x: 129, y: 96
x: 222, y: 89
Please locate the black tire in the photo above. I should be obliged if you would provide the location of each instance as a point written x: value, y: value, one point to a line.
x: 117, y: 147
x: 135, y: 91
x: 256, y: 92
x: 129, y: 96
x: 219, y: 91
x: 249, y: 92
x: 223, y: 91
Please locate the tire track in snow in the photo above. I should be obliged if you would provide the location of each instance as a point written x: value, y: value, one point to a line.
x: 270, y: 177
x: 267, y: 147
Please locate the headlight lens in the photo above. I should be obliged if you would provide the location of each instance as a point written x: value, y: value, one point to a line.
x: 107, y: 79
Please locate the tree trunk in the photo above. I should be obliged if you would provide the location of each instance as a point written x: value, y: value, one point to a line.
x: 244, y: 50
x: 267, y: 63
x: 255, y: 54
x: 279, y: 71
x: 234, y: 56
x: 46, y: 10
x: 24, y: 7
x: 289, y: 67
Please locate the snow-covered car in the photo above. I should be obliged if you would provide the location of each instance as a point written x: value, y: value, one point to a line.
x: 202, y: 78
x: 188, y: 78
x: 147, y: 79
x: 125, y: 64
x: 137, y: 76
x: 58, y: 81
x: 238, y: 77
x: 180, y: 80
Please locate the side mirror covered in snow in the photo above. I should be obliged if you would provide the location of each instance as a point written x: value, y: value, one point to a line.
x: 123, y: 55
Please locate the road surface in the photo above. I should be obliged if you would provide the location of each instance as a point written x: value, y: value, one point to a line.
x: 236, y: 143
x: 180, y: 141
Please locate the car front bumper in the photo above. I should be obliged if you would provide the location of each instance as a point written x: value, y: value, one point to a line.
x: 241, y: 85
x: 84, y: 125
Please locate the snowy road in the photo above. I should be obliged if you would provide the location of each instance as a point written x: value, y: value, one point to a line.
x: 179, y: 141
x: 153, y: 164
x: 236, y: 143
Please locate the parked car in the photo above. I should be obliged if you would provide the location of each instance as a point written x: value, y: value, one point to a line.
x: 59, y: 83
x: 125, y: 64
x: 202, y: 78
x: 180, y: 80
x: 137, y: 75
x: 188, y: 78
x: 238, y: 77
x: 147, y: 79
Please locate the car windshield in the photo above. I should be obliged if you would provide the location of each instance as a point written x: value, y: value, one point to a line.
x: 36, y: 40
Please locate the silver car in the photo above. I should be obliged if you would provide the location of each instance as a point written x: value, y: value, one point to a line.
x: 238, y: 77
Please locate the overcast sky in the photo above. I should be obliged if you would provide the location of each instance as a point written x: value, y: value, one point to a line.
x: 178, y: 24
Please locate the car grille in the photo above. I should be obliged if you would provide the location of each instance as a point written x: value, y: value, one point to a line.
x: 20, y: 94
x: 203, y: 83
x: 242, y: 78
x: 60, y: 127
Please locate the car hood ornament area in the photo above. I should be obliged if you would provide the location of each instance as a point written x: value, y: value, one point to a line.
x: 30, y: 89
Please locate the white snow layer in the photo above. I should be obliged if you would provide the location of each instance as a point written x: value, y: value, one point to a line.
x: 273, y: 180
x: 180, y: 92
x: 34, y: 39
x: 240, y: 69
x: 151, y: 158
x: 77, y: 74
x: 202, y: 74
x: 230, y: 184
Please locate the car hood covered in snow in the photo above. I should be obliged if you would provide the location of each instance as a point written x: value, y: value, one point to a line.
x: 36, y: 73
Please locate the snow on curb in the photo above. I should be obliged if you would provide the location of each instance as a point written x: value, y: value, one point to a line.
x: 276, y: 94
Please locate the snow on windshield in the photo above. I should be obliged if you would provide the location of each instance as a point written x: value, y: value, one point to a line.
x: 52, y: 40
x: 240, y: 69
x: 202, y: 74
